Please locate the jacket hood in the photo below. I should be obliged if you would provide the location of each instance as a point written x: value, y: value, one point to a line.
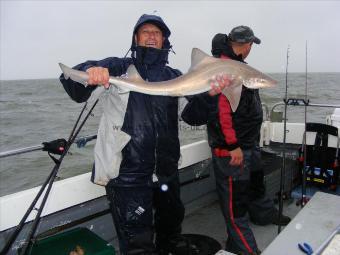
x: 221, y: 45
x: 156, y: 20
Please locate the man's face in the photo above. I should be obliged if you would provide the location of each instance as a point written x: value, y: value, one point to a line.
x: 149, y: 35
x: 246, y: 50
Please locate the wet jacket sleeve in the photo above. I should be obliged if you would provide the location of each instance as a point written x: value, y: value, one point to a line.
x: 196, y: 112
x: 81, y: 93
x: 226, y: 122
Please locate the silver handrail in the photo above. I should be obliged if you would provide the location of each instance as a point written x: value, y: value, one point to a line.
x: 272, y: 111
x: 81, y: 141
x: 265, y: 106
x: 308, y: 104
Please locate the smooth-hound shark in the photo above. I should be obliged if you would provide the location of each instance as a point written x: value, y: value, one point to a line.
x: 202, y: 72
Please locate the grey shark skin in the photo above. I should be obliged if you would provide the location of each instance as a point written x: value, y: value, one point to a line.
x: 197, y: 80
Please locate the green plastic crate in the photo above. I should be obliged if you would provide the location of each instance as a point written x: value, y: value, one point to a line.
x: 64, y: 243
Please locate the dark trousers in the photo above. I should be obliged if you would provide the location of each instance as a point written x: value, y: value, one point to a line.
x: 241, y: 191
x: 132, y: 211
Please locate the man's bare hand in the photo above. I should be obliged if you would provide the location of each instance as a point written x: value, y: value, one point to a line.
x: 236, y: 157
x: 218, y: 83
x: 98, y: 76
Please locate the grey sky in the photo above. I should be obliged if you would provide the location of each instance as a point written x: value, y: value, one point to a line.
x: 36, y: 35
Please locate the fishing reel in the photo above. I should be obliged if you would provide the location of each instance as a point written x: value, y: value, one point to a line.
x: 55, y: 146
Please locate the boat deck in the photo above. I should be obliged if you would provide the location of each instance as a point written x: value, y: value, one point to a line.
x: 208, y: 220
x: 205, y: 217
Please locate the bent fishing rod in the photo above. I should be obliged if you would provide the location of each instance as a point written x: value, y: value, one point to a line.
x: 28, y: 243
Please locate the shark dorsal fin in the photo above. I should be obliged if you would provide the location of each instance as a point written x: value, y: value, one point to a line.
x: 198, y: 57
x: 132, y: 74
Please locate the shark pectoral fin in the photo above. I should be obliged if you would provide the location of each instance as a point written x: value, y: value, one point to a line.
x: 122, y: 91
x: 116, y: 88
x: 199, y: 58
x: 132, y: 74
x: 233, y: 93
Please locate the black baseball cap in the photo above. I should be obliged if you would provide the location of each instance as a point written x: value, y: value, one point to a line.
x: 243, y: 34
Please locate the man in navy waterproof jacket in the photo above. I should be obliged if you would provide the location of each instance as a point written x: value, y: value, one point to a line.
x: 151, y: 122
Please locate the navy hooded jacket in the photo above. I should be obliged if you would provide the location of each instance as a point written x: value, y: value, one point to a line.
x: 151, y: 121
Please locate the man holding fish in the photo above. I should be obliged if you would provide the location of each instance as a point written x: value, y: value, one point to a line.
x: 234, y: 136
x: 137, y: 139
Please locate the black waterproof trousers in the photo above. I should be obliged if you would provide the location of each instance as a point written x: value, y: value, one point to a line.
x: 241, y: 191
x: 132, y: 211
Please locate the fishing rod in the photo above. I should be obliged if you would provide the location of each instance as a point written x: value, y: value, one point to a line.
x: 35, y: 200
x: 48, y: 146
x: 283, y: 168
x: 304, y: 102
x: 49, y: 181
x: 303, y: 191
x: 75, y: 131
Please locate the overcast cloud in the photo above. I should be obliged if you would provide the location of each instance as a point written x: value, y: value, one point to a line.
x: 36, y: 35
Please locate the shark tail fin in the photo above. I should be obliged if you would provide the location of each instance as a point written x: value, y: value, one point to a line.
x: 64, y: 70
x: 75, y: 75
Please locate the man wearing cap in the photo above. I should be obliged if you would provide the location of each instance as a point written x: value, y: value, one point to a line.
x: 233, y: 138
x: 140, y: 140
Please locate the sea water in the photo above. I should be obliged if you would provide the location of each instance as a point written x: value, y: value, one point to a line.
x: 36, y: 111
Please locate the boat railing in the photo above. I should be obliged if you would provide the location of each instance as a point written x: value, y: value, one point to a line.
x: 276, y: 116
x: 271, y: 115
x: 273, y: 124
x: 266, y: 111
x: 81, y: 142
